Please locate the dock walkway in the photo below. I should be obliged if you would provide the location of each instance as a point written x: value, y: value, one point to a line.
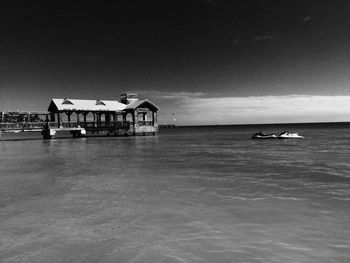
x: 51, y: 129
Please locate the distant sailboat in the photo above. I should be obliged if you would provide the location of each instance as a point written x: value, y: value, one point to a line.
x: 172, y: 121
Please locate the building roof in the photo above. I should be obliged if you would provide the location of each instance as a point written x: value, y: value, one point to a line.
x: 97, y: 105
x: 85, y: 105
x: 140, y: 103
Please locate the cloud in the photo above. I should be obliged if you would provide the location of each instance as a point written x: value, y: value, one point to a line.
x: 262, y: 109
x: 177, y: 96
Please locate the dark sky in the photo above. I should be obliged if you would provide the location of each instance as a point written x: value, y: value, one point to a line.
x: 89, y: 49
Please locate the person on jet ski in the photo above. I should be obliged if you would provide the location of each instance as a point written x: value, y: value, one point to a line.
x: 285, y: 132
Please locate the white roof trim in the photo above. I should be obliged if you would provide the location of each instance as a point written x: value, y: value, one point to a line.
x: 95, y: 105
x: 88, y: 105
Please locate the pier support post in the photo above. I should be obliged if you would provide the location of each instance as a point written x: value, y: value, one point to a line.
x: 48, y: 133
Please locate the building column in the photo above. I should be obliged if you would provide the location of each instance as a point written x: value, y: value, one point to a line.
x: 107, y: 117
x: 134, y: 117
x: 154, y: 116
x: 84, y: 114
x: 78, y: 117
x: 58, y: 119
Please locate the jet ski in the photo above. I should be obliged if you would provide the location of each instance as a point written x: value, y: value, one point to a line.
x: 260, y: 135
x: 287, y: 135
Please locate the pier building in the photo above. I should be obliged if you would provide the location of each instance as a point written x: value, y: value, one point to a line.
x: 127, y: 116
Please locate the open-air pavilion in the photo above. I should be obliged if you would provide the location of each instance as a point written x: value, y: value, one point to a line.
x: 129, y: 116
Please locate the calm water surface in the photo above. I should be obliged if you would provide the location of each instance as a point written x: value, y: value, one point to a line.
x: 202, y: 194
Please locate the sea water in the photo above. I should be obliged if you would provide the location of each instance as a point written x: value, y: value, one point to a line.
x: 188, y: 194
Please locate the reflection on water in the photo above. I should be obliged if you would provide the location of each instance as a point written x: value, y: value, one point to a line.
x: 205, y: 194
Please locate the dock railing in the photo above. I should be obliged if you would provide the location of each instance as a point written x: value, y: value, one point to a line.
x: 24, y: 126
x: 111, y: 124
x: 145, y: 123
x: 34, y: 126
x: 10, y: 126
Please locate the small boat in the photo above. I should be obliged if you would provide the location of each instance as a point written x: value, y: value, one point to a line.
x: 287, y: 135
x: 260, y: 135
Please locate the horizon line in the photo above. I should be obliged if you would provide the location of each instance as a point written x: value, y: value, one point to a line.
x: 252, y: 124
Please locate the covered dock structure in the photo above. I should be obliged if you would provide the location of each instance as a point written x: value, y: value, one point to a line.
x: 128, y: 116
x: 22, y: 121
